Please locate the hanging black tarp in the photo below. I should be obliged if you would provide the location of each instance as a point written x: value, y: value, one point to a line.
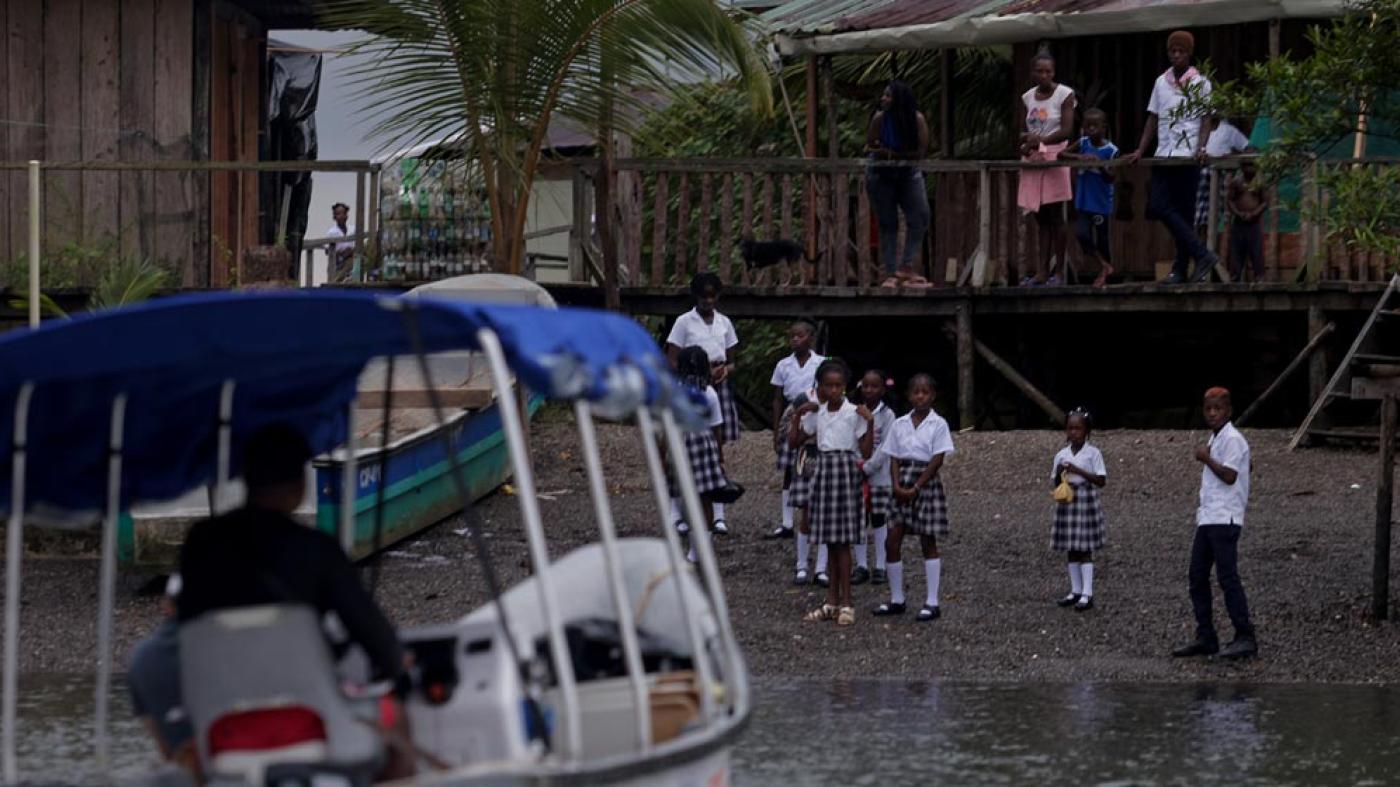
x: 294, y: 85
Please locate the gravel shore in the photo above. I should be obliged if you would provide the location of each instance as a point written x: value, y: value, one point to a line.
x: 1305, y: 558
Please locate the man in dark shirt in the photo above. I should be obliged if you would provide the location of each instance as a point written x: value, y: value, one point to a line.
x: 259, y: 555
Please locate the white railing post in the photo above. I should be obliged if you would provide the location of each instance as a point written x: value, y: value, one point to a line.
x: 107, y: 590
x: 534, y: 534
x: 14, y: 556
x: 607, y: 532
x: 349, y: 483
x: 222, y: 461
x: 676, y: 559
x: 734, y: 677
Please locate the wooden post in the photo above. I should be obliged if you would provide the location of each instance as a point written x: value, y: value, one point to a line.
x: 361, y: 221
x: 1308, y: 350
x: 984, y: 227
x: 578, y: 235
x: 681, y: 272
x: 947, y: 138
x: 726, y: 226
x: 966, y: 359
x: 746, y: 218
x: 1385, y: 496
x: 1317, y: 365
x: 707, y: 204
x: 1021, y: 383
x: 371, y: 221
x: 603, y: 201
x: 1213, y: 212
x: 658, y: 232
x: 811, y: 152
x: 862, y: 234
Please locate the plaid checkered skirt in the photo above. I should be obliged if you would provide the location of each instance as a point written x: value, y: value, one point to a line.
x: 881, y: 501
x: 804, y: 467
x: 786, y: 456
x: 927, y: 515
x: 729, y: 408
x: 1203, y: 198
x: 703, y: 452
x: 1079, y: 524
x: 835, y: 510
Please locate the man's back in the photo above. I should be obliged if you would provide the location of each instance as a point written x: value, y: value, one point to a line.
x: 255, y: 556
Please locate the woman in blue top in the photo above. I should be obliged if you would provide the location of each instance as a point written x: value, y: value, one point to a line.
x: 898, y: 132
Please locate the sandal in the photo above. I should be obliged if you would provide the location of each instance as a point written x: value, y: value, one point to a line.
x: 917, y: 282
x: 928, y: 613
x: 888, y: 608
x: 892, y: 283
x: 821, y: 614
x: 846, y: 617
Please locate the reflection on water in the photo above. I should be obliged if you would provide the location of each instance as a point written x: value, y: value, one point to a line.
x: 872, y: 732
x: 55, y: 741
x: 875, y: 732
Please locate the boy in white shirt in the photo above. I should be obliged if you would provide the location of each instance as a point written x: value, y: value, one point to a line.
x: 1219, y: 519
x: 1180, y: 133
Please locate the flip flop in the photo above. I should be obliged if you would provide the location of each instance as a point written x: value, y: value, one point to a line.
x: 917, y: 283
x: 892, y: 283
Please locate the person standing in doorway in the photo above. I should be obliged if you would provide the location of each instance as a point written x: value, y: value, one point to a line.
x: 1181, y: 133
x: 341, y: 254
x: 898, y: 132
x: 1219, y: 520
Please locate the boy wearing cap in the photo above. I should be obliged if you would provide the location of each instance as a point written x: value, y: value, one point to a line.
x: 1219, y: 520
x: 1180, y: 133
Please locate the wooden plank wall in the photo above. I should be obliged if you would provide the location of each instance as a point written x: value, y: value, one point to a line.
x: 125, y: 80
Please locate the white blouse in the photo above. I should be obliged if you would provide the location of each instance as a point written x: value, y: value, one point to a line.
x: 1088, y: 459
x: 796, y: 378
x: 836, y: 431
x: 909, y: 443
x: 716, y: 336
x: 877, y: 467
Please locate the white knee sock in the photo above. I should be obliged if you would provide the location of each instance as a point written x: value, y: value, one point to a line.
x: 719, y: 512
x: 821, y: 559
x: 881, y: 536
x: 787, y: 509
x: 1087, y: 571
x: 691, y: 554
x: 933, y: 570
x: 676, y: 511
x: 896, y: 576
x: 1076, y: 584
x: 862, y: 551
x: 803, y: 550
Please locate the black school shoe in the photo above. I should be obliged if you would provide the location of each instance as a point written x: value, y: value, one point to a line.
x: 928, y: 613
x: 860, y: 575
x: 878, y: 577
x: 781, y: 531
x: 1241, y: 648
x: 1068, y: 601
x: 1084, y: 604
x: 888, y: 608
x: 823, y: 579
x: 1197, y: 647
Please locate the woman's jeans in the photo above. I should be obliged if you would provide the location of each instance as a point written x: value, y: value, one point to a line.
x: 892, y: 189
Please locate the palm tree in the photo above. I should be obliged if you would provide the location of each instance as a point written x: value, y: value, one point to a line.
x: 493, y: 73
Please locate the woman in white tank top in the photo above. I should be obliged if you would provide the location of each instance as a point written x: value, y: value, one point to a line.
x: 1049, y: 123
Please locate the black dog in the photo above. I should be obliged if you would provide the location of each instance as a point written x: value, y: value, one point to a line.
x: 760, y: 254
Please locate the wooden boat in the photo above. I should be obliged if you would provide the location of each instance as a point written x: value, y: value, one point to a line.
x: 419, y: 492
x: 615, y: 663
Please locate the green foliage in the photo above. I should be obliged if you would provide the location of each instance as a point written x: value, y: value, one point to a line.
x: 1314, y: 105
x: 115, y: 280
x: 493, y: 73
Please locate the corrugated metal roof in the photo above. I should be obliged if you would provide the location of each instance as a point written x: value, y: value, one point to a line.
x: 835, y: 26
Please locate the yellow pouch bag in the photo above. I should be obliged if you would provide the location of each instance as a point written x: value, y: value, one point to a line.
x: 1064, y: 493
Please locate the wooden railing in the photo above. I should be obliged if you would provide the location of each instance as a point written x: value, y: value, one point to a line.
x: 673, y: 217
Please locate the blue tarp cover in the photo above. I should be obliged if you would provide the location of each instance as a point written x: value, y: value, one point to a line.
x: 295, y: 357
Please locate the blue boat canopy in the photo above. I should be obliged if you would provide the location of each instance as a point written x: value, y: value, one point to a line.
x: 295, y: 358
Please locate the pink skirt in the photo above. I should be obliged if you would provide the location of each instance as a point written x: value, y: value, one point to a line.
x: 1039, y: 187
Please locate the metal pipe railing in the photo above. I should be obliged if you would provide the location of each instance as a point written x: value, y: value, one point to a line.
x: 107, y: 590
x: 349, y: 483
x: 647, y: 428
x: 511, y: 424
x: 14, y: 556
x: 705, y: 552
x: 607, y: 532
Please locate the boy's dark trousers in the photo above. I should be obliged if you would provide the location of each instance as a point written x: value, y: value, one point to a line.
x: 1216, y: 544
x: 1172, y: 200
x: 1246, y: 243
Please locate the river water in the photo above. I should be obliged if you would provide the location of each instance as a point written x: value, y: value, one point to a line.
x: 878, y: 732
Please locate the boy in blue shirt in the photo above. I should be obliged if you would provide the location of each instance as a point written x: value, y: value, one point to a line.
x: 1093, y: 197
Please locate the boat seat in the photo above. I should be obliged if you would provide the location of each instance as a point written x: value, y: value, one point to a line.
x: 260, y: 689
